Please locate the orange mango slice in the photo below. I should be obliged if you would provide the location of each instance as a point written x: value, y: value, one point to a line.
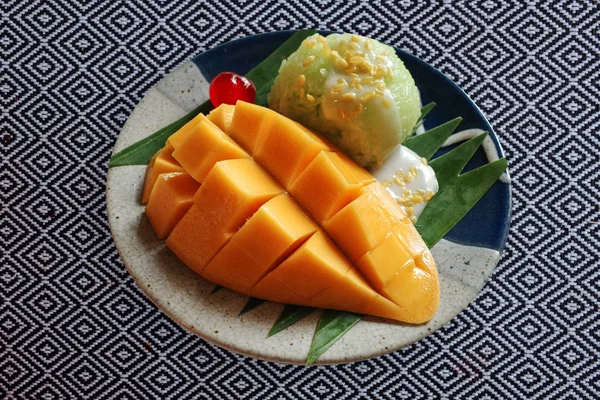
x: 313, y: 267
x: 245, y: 126
x: 232, y: 191
x: 364, y: 222
x: 162, y: 162
x: 170, y: 199
x: 269, y: 236
x: 286, y: 147
x: 375, y: 264
x: 202, y: 147
x: 328, y: 184
x: 222, y: 116
x: 336, y: 240
x: 175, y: 139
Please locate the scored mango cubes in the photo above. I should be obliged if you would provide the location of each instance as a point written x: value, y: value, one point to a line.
x: 267, y: 238
x: 375, y: 267
x: 162, y: 162
x: 328, y: 184
x: 245, y: 127
x: 171, y: 198
x: 312, y: 268
x: 286, y: 148
x: 222, y: 116
x: 232, y: 191
x: 336, y: 239
x: 364, y: 222
x: 202, y: 147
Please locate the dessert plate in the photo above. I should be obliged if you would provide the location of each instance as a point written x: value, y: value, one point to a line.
x: 466, y: 257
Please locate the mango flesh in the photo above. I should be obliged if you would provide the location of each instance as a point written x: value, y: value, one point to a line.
x: 231, y: 193
x: 286, y: 148
x: 245, y: 127
x: 313, y: 267
x: 162, y: 162
x: 269, y: 236
x: 337, y: 240
x: 176, y: 138
x: 327, y: 185
x: 222, y: 116
x: 374, y: 263
x: 171, y: 198
x: 364, y: 222
x: 202, y: 147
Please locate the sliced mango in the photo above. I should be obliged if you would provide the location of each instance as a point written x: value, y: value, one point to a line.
x: 348, y: 292
x: 245, y: 126
x: 162, y: 162
x: 367, y: 220
x: 234, y: 268
x: 286, y: 147
x: 202, y: 147
x: 269, y: 236
x: 416, y: 291
x: 357, y: 252
x: 222, y: 116
x: 327, y: 184
x: 407, y: 234
x: 232, y: 191
x: 170, y: 199
x: 271, y: 288
x: 382, y: 263
x: 175, y: 139
x: 313, y: 267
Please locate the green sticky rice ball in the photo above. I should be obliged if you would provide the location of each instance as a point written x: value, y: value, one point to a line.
x: 354, y: 90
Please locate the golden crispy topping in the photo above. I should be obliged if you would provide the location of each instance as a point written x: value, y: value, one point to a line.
x: 355, y: 84
x: 341, y: 63
x: 348, y: 97
x: 301, y: 81
x: 365, y: 73
x: 409, y: 199
x: 413, y: 172
x: 366, y: 97
x: 368, y: 80
x: 308, y: 60
x: 310, y: 43
x: 340, y: 86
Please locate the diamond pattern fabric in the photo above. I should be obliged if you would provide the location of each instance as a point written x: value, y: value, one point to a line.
x: 73, y: 324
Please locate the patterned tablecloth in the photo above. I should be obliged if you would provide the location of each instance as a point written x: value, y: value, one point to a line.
x: 74, y: 325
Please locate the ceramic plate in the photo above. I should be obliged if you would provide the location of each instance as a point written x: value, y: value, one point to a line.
x: 466, y: 257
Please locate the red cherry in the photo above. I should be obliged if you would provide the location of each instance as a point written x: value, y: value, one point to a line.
x: 229, y: 87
